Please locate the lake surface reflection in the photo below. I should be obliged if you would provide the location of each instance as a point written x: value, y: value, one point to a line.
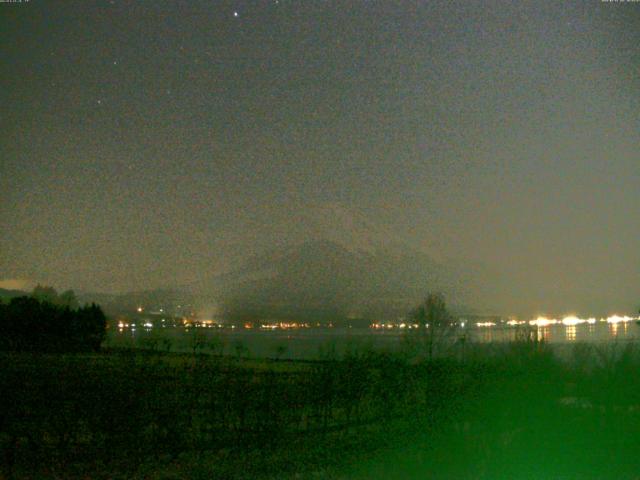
x: 300, y: 343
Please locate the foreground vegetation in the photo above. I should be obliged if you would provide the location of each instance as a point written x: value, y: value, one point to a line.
x: 513, y: 411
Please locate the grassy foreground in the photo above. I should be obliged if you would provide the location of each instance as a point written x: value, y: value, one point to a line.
x: 512, y: 412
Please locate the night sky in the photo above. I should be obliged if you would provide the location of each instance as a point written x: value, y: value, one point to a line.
x: 138, y: 138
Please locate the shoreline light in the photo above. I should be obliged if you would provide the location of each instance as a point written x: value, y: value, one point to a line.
x: 513, y: 323
x: 572, y: 320
x: 543, y: 322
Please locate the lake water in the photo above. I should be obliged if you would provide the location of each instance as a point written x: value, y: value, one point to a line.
x: 310, y: 343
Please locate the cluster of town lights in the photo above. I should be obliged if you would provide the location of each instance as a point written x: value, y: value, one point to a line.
x: 569, y: 321
x: 389, y: 326
x: 122, y: 325
x: 282, y: 325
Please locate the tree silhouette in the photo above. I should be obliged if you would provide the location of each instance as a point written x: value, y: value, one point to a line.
x: 48, y: 294
x: 434, y: 321
x: 68, y: 299
x: 30, y: 324
x: 44, y: 293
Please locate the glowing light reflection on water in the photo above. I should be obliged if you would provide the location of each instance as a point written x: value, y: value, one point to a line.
x: 307, y: 342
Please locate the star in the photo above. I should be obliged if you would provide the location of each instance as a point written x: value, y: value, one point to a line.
x: 235, y: 14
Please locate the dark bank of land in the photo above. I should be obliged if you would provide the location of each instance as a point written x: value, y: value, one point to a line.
x: 70, y: 410
x: 510, y: 411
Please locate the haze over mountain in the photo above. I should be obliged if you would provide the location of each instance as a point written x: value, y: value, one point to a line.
x: 326, y: 261
x: 315, y: 262
x: 329, y: 261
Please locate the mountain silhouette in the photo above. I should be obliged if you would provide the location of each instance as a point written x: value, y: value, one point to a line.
x: 328, y: 263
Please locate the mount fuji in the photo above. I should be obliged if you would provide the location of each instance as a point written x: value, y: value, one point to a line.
x: 326, y: 263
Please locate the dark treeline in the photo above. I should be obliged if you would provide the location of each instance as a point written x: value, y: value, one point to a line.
x: 30, y: 324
